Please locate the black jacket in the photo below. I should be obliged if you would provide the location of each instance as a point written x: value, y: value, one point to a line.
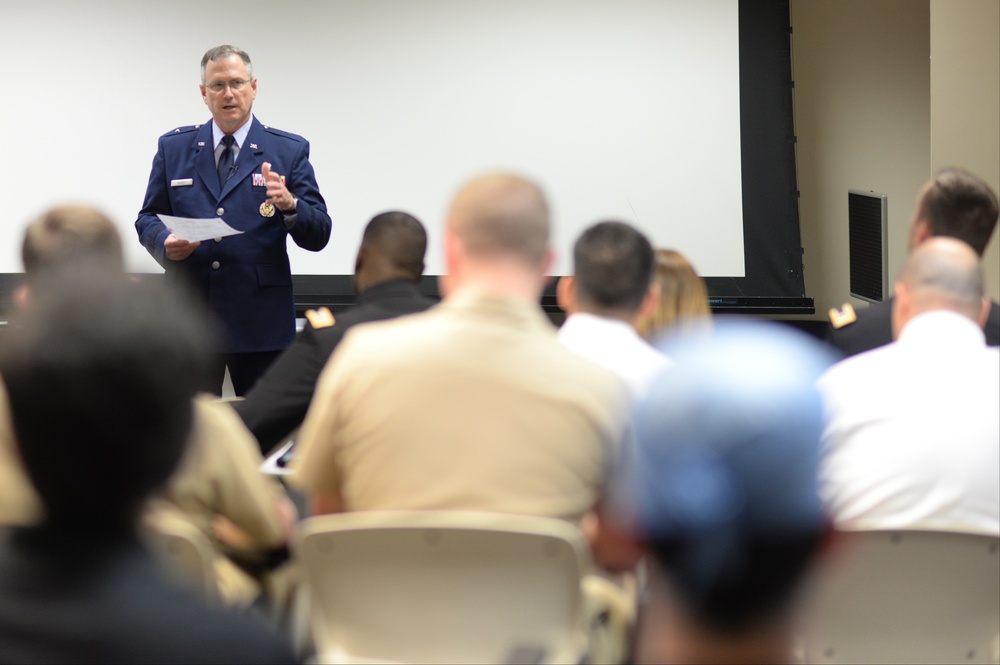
x: 873, y: 328
x: 278, y: 402
x: 90, y: 597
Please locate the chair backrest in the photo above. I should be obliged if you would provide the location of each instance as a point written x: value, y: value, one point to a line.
x: 906, y: 596
x: 186, y: 553
x: 444, y: 587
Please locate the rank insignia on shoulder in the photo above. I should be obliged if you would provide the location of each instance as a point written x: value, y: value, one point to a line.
x: 843, y: 316
x: 321, y: 318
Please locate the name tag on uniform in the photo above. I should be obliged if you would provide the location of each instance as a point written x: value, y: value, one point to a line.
x: 183, y: 182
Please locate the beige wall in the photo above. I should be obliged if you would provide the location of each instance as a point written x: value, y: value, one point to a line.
x: 862, y: 118
x: 965, y: 98
x: 886, y: 92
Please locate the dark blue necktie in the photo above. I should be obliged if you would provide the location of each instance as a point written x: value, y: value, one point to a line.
x: 226, y: 160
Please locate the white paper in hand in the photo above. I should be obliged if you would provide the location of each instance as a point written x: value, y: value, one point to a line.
x: 195, y: 230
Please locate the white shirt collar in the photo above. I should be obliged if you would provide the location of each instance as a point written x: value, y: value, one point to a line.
x: 240, y: 134
x: 593, y: 322
x: 942, y: 327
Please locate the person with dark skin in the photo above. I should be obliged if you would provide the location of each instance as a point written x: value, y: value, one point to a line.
x: 387, y: 272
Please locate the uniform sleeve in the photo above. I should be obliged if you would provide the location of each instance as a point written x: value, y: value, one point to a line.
x: 872, y: 329
x: 277, y: 404
x: 222, y: 475
x: 152, y: 232
x: 315, y: 466
x: 311, y: 229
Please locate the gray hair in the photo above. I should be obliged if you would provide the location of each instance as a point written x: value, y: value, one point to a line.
x: 225, y: 51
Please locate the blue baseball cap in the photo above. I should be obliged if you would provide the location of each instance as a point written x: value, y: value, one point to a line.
x: 730, y: 435
x: 727, y: 443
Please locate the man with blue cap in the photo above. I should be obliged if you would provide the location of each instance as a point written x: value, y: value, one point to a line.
x: 720, y: 493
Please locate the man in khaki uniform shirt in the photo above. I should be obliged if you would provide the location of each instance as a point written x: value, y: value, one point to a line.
x: 217, y: 484
x: 473, y: 404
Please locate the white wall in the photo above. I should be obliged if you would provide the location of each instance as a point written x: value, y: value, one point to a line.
x: 627, y: 109
x: 886, y: 92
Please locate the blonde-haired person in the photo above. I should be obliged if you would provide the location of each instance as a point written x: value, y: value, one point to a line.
x: 683, y: 302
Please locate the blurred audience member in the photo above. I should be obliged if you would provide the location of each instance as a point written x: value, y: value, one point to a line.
x: 683, y: 303
x: 472, y: 404
x: 218, y: 484
x: 610, y: 290
x: 247, y: 516
x: 954, y: 204
x: 100, y: 374
x: 721, y: 496
x: 914, y: 432
x: 19, y: 503
x: 61, y: 239
x: 66, y: 235
x: 387, y: 275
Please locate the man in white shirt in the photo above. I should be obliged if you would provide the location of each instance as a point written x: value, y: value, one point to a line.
x: 914, y: 430
x: 611, y: 289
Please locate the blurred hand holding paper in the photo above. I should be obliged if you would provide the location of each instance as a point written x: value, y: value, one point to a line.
x: 195, y: 230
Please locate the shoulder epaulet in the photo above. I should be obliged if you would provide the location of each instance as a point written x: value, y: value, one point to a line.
x: 843, y: 316
x: 187, y: 129
x: 321, y: 318
x: 282, y: 133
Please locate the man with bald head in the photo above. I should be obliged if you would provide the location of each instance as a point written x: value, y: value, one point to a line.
x: 953, y: 204
x: 473, y: 404
x: 387, y: 274
x: 914, y: 431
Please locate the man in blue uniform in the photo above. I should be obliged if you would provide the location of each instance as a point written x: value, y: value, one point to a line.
x: 259, y: 181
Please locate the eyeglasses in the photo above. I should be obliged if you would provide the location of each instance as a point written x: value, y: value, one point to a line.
x: 235, y: 85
